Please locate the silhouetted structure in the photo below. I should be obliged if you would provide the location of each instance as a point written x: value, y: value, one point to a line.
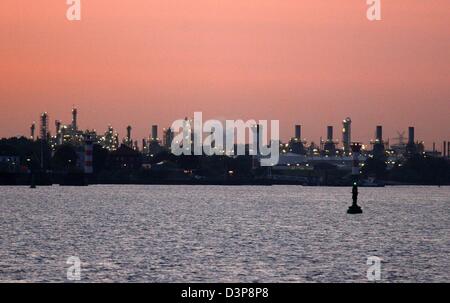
x: 411, y: 147
x: 347, y: 135
x: 354, y: 208
x: 168, y: 138
x: 378, y: 144
x: 296, y: 145
x: 154, y: 133
x: 88, y: 156
x: 128, y: 141
x: 32, y: 131
x: 45, y: 134
x: 58, y: 131
x: 404, y: 163
x: 124, y: 157
x: 74, y: 119
x: 330, y: 145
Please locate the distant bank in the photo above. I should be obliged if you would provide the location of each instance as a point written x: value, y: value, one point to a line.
x: 79, y: 179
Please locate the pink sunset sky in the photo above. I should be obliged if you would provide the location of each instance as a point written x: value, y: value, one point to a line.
x: 312, y: 62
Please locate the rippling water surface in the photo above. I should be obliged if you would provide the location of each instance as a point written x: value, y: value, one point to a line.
x: 223, y: 234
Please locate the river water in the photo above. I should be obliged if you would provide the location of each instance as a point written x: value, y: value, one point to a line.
x: 223, y: 234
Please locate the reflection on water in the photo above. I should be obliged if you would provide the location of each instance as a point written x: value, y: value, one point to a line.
x: 223, y: 234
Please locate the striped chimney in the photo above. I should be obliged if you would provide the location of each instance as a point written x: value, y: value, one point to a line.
x: 88, y: 157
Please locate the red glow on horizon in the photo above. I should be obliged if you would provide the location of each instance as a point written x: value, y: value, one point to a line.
x: 146, y: 62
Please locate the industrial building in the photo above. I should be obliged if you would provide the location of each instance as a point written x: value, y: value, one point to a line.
x: 296, y: 153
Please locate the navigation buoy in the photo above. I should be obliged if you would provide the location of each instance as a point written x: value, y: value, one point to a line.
x: 355, y: 208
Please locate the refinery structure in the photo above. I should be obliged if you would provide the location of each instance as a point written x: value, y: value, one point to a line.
x: 71, y: 134
x: 297, y: 152
x: 58, y: 151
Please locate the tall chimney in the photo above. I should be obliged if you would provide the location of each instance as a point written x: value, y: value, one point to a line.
x: 444, y: 149
x: 32, y: 130
x: 411, y: 135
x: 44, y: 126
x: 347, y: 134
x: 88, y: 156
x: 379, y: 133
x: 129, y: 141
x: 154, y: 132
x: 58, y: 131
x: 144, y: 146
x: 330, y: 133
x: 74, y: 119
x: 257, y: 130
x: 298, y: 132
x: 58, y: 126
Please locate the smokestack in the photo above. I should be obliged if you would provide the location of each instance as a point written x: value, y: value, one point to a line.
x: 444, y: 150
x: 58, y: 126
x: 434, y: 147
x: 298, y: 132
x: 379, y: 133
x: 144, y: 145
x: 58, y: 131
x: 32, y: 130
x: 411, y: 135
x: 129, y: 134
x: 88, y: 156
x: 154, y: 132
x: 168, y: 137
x: 330, y: 133
x: 347, y: 134
x: 256, y: 129
x: 44, y: 126
x: 74, y: 118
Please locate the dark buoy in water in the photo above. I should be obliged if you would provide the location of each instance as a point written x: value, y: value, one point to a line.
x: 355, y: 208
